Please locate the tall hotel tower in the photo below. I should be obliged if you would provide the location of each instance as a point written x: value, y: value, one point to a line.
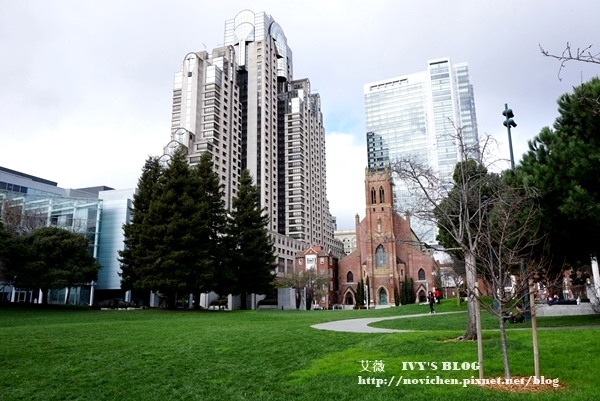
x: 241, y: 104
x: 417, y: 116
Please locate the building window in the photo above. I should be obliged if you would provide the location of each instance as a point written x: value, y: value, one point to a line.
x: 381, y: 195
x: 373, y: 197
x: 421, y: 274
x: 380, y: 257
x: 322, y: 260
x: 349, y: 277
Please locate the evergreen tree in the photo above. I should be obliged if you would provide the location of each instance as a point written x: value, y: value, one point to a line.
x: 134, y: 256
x: 407, y: 292
x: 53, y: 257
x: 173, y: 233
x: 210, y: 220
x: 174, y: 240
x: 562, y: 164
x: 360, y: 294
x: 251, y: 260
x: 10, y: 255
x: 403, y: 289
x: 396, y: 295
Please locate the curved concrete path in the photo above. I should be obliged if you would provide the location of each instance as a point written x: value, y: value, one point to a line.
x: 362, y: 325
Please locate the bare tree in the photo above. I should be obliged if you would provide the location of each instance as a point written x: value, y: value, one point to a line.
x: 20, y: 218
x: 461, y: 208
x: 490, y: 224
x: 455, y: 205
x: 508, y: 268
x: 308, y: 284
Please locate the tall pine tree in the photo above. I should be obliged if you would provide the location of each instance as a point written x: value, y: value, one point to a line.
x: 251, y: 258
x: 174, y: 239
x: 360, y: 294
x: 134, y: 256
x: 562, y: 164
x: 210, y: 219
x: 168, y: 233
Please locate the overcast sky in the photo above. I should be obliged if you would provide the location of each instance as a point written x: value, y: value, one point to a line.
x: 86, y: 86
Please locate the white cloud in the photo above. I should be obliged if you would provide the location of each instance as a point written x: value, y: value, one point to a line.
x: 346, y: 164
x: 85, y: 87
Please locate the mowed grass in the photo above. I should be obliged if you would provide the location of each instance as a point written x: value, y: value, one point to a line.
x: 275, y: 355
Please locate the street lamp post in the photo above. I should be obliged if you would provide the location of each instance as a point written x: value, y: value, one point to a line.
x: 509, y: 122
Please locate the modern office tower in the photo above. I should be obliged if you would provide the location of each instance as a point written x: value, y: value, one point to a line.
x: 417, y: 116
x: 377, y: 152
x: 241, y: 104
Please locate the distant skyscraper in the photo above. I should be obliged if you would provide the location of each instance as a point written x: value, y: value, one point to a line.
x: 241, y: 104
x: 417, y: 116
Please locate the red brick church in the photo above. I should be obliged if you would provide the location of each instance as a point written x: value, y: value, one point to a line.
x: 387, y: 250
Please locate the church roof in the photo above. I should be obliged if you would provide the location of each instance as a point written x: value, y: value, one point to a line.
x: 313, y: 250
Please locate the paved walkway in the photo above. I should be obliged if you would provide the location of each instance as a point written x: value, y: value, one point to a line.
x: 362, y: 325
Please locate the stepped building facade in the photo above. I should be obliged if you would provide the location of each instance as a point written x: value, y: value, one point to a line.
x: 241, y: 103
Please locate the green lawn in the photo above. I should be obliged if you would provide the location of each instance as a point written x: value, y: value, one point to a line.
x: 273, y: 355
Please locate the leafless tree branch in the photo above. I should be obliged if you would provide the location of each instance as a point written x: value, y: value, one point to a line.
x: 584, y: 55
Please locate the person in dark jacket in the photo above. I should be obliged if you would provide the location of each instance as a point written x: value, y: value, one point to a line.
x: 431, y: 300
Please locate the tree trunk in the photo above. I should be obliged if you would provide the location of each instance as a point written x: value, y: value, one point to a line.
x: 503, y: 343
x: 471, y: 276
x: 309, y: 299
x: 471, y: 332
x: 536, y: 350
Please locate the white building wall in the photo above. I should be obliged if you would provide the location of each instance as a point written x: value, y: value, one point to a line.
x: 115, y: 213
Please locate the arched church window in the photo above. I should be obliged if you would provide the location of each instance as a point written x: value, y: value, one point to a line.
x: 421, y: 274
x: 349, y: 277
x: 373, y: 196
x: 381, y: 195
x: 380, y: 257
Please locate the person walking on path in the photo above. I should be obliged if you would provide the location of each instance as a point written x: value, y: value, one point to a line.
x: 431, y: 299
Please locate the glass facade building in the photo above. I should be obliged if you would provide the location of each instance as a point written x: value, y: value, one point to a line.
x: 25, y: 212
x: 28, y: 202
x: 417, y: 116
